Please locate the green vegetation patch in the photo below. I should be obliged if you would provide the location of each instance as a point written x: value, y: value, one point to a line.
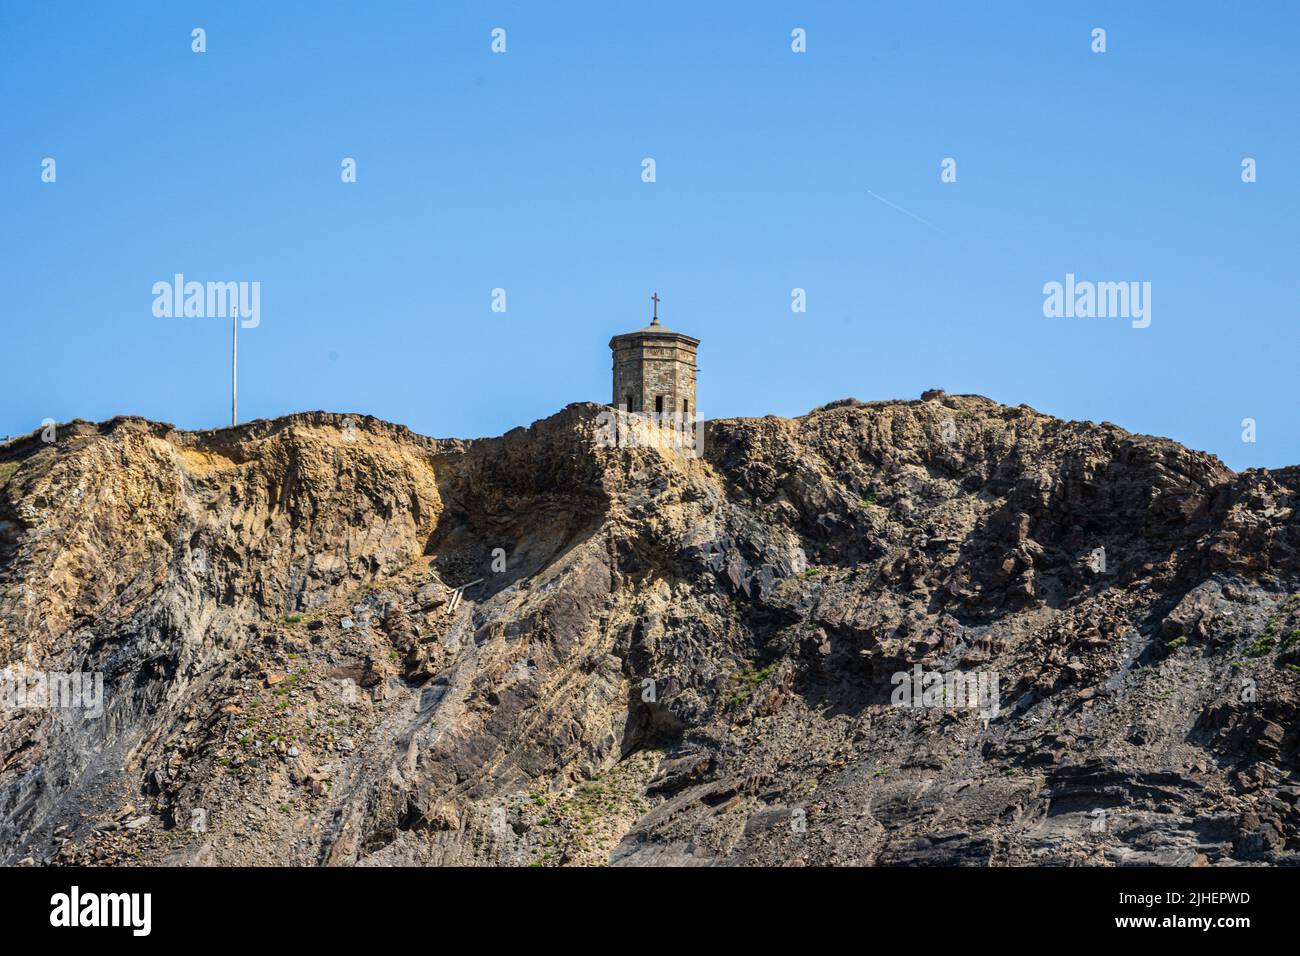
x: 1260, y: 646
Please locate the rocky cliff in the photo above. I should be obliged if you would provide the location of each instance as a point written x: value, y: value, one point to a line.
x: 326, y: 640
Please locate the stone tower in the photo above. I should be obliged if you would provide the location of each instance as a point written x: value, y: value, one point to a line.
x: 654, y: 370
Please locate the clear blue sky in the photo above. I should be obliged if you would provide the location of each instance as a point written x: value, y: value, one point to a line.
x: 523, y: 171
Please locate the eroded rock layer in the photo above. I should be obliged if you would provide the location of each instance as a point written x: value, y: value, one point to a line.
x: 326, y: 640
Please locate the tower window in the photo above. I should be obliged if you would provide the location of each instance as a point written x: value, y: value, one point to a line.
x: 659, y: 404
x: 629, y: 402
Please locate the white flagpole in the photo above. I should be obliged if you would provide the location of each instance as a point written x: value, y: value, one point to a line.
x: 234, y: 359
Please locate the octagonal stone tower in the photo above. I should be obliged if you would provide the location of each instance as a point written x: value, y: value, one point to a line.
x: 654, y: 370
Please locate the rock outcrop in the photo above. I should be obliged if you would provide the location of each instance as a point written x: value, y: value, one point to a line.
x: 325, y: 640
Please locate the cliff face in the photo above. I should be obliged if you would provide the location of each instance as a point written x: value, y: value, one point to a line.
x: 664, y: 659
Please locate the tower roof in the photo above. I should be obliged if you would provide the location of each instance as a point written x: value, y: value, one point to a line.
x: 654, y: 329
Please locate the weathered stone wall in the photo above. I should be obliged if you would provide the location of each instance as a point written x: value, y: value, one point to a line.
x: 646, y: 367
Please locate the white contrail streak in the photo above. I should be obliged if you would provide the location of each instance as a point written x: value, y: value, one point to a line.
x: 907, y: 212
